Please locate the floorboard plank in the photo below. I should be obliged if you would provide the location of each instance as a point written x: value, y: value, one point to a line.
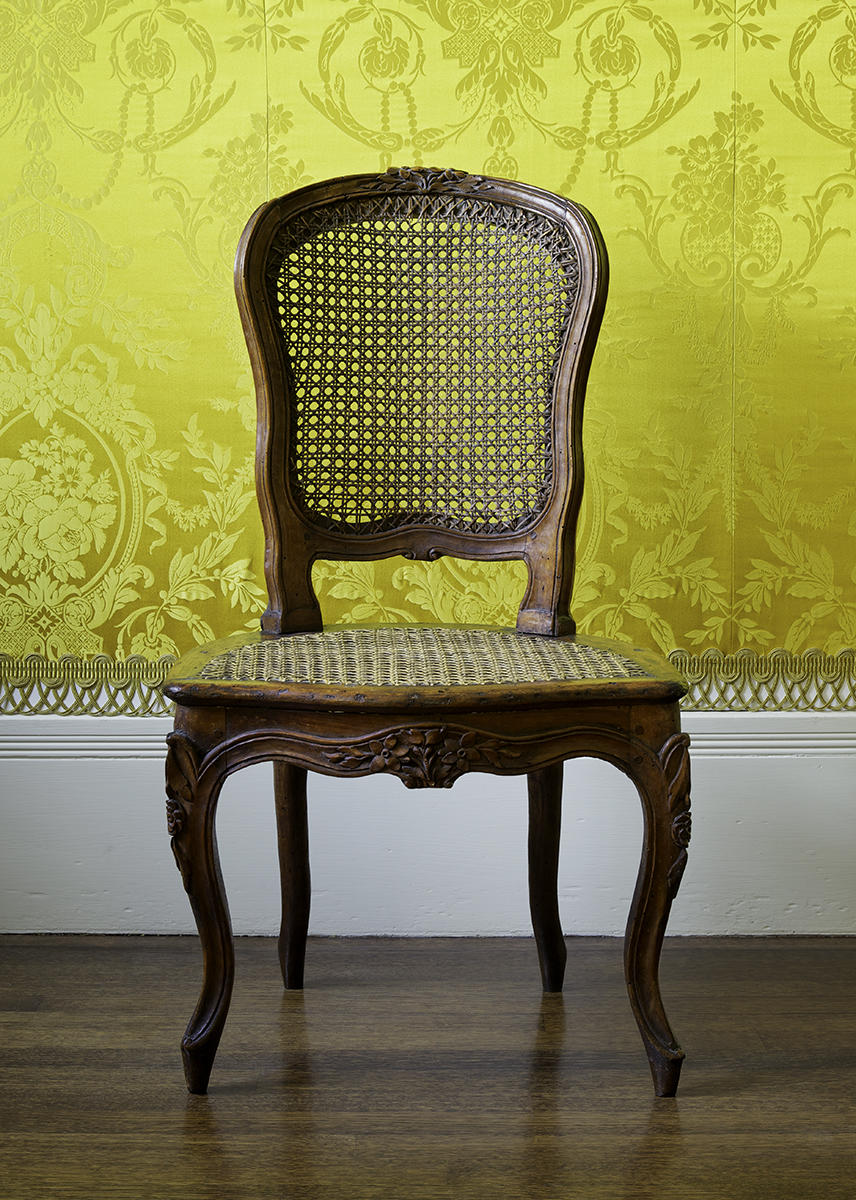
x: 427, y: 1068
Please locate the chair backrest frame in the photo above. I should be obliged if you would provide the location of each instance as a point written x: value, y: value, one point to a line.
x: 294, y: 539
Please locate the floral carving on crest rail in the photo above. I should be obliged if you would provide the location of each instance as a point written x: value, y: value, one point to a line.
x: 425, y: 179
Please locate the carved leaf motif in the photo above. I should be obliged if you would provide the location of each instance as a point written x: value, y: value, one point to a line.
x: 174, y: 817
x: 423, y: 757
x: 682, y: 829
x: 675, y: 761
x: 182, y: 769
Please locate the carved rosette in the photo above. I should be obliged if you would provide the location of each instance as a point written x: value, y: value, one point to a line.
x: 428, y: 179
x: 427, y: 757
x: 182, y: 769
x: 675, y: 762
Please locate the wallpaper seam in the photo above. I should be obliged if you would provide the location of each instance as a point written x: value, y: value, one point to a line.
x: 267, y: 97
x: 732, y: 499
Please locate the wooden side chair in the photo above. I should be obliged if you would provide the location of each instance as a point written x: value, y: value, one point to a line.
x: 420, y: 342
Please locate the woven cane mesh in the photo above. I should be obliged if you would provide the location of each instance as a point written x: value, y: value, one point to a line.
x: 423, y: 333
x: 411, y: 656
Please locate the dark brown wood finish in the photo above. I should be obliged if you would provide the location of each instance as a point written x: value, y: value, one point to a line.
x: 545, y: 823
x: 293, y: 842
x: 293, y: 539
x: 427, y: 734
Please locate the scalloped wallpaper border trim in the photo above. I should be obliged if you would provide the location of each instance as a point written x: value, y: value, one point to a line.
x: 774, y: 682
x: 718, y: 682
x: 71, y: 686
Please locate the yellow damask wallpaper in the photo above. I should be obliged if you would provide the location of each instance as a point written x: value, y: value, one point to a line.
x: 715, y: 141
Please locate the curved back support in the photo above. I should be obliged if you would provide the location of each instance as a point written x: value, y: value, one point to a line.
x: 420, y: 342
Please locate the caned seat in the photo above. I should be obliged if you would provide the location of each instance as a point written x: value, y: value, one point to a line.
x: 363, y: 664
x: 420, y: 343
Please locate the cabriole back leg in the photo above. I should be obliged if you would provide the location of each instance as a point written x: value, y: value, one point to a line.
x: 293, y: 840
x: 663, y: 782
x: 545, y: 822
x: 191, y: 809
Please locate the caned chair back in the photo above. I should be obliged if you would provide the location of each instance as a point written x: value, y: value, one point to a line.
x: 421, y: 341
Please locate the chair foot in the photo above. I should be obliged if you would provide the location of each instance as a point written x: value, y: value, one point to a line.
x: 293, y: 841
x: 198, y: 1059
x: 665, y: 1071
x: 292, y: 973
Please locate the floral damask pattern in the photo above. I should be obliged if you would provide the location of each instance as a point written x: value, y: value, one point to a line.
x: 626, y: 61
x: 715, y: 143
x: 56, y: 510
x: 727, y: 200
x: 821, y: 91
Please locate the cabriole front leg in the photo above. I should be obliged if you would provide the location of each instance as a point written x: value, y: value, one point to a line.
x: 191, y: 809
x: 663, y: 782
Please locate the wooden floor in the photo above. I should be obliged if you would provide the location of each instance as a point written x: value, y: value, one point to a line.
x: 427, y: 1068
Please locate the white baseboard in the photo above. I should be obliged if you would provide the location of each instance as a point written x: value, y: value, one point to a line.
x: 83, y: 845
